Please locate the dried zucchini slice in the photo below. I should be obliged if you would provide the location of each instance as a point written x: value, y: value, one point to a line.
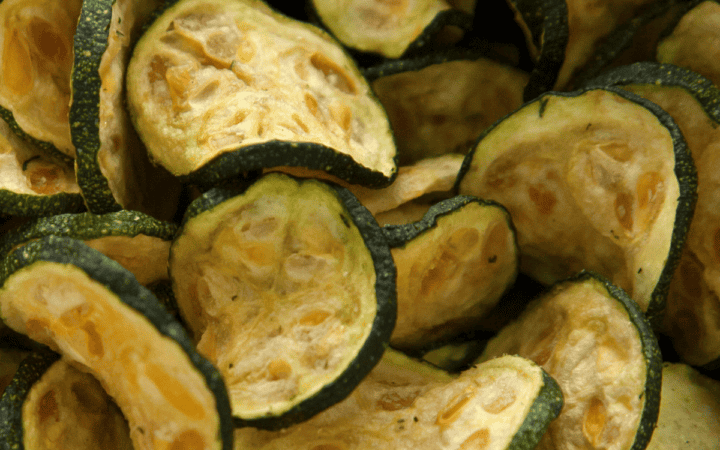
x: 689, y: 410
x: 693, y: 303
x: 32, y: 182
x: 441, y: 105
x: 36, y: 44
x: 506, y: 403
x: 452, y: 268
x: 113, y: 168
x: 591, y: 338
x: 140, y: 243
x: 53, y: 405
x: 390, y: 29
x: 694, y: 41
x: 298, y: 272
x: 217, y: 88
x: 603, y: 172
x: 74, y: 299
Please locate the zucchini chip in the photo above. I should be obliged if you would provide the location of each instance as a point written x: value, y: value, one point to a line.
x: 452, y: 268
x: 441, y: 104
x: 693, y: 302
x: 87, y: 307
x: 35, y: 64
x: 591, y: 338
x: 298, y: 272
x: 403, y: 404
x: 389, y: 29
x: 34, y: 183
x: 694, y: 40
x: 689, y: 410
x: 52, y: 405
x: 140, y: 243
x: 595, y: 179
x: 219, y: 88
x: 113, y: 168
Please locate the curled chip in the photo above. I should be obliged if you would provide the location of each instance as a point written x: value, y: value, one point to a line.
x: 218, y: 88
x: 591, y: 338
x: 595, y: 179
x: 82, y: 304
x: 51, y: 404
x: 289, y: 288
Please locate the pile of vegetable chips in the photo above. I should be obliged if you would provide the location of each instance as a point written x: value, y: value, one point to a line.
x: 359, y: 224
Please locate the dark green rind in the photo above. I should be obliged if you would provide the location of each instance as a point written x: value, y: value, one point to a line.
x: 650, y: 351
x: 91, y: 38
x: 30, y: 371
x: 235, y: 164
x: 89, y: 226
x: 124, y: 285
x: 24, y: 205
x: 547, y: 21
x: 383, y: 324
x: 400, y: 235
x: 545, y: 409
x: 684, y: 171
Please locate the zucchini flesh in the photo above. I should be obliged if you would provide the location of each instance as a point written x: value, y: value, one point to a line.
x: 453, y: 267
x: 36, y: 43
x: 386, y: 28
x: 292, y: 271
x: 505, y: 403
x: 69, y: 409
x: 590, y: 337
x: 693, y: 39
x: 152, y: 377
x: 601, y: 172
x: 443, y: 108
x: 211, y: 78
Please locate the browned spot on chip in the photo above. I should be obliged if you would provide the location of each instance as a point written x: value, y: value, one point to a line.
x: 479, y: 440
x: 47, y: 407
x: 453, y: 409
x: 188, y: 440
x: 543, y: 198
x: 594, y: 421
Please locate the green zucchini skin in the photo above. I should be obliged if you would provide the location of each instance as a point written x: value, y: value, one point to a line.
x: 91, y: 38
x: 121, y: 282
x: 89, y: 226
x: 684, y: 170
x: 22, y: 205
x: 11, y: 422
x: 383, y: 324
x: 545, y: 409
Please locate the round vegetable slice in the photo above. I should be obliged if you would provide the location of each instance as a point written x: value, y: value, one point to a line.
x: 51, y: 404
x: 603, y: 172
x: 218, y: 88
x: 692, y: 302
x: 140, y: 243
x: 591, y: 338
x: 113, y: 168
x: 36, y: 44
x: 453, y: 266
x: 74, y: 299
x: 289, y: 288
x: 403, y: 404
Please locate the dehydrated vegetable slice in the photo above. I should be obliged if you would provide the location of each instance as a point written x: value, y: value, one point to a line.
x: 113, y: 168
x: 694, y: 41
x: 218, y: 88
x: 505, y: 403
x: 452, y: 268
x: 591, y: 338
x: 605, y: 173
x: 689, y: 410
x: 390, y: 29
x: 74, y: 299
x: 441, y: 105
x: 35, y: 63
x: 289, y: 288
x: 692, y: 302
x: 140, y: 243
x: 32, y: 182
x: 51, y: 404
